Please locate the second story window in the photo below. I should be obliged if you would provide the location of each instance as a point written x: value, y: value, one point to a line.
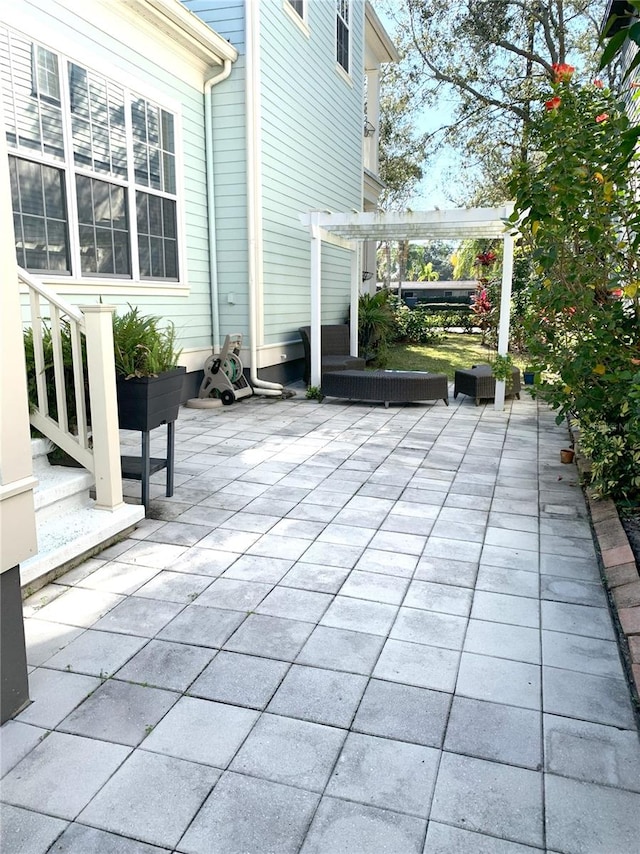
x: 342, y: 34
x: 298, y: 6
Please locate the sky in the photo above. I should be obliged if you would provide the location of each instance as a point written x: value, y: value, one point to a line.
x: 430, y: 192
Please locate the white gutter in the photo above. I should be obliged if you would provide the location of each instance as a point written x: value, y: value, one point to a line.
x: 254, y: 194
x: 211, y: 201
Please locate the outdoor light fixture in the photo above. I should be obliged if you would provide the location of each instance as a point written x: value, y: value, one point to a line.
x: 366, y: 275
x: 369, y: 129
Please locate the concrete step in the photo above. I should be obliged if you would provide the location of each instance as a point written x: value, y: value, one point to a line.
x: 69, y: 525
x: 61, y: 489
x: 64, y: 539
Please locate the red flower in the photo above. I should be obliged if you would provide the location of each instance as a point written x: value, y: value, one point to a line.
x: 598, y: 84
x: 602, y: 118
x: 553, y: 104
x: 486, y: 259
x: 562, y: 72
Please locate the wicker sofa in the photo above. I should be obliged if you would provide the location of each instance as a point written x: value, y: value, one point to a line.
x: 334, y: 350
x: 386, y: 386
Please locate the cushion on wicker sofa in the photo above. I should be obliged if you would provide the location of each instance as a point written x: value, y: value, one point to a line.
x: 334, y: 350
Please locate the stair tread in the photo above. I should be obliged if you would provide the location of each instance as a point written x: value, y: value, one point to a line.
x: 57, y: 483
x: 66, y: 535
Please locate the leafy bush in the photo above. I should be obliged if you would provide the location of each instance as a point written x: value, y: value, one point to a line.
x: 578, y: 211
x: 47, y: 346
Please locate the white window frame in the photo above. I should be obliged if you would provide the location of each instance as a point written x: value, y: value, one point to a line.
x: 132, y: 91
x: 347, y: 24
x: 299, y: 20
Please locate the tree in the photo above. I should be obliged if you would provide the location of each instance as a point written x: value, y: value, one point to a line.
x: 424, y: 262
x: 486, y: 58
x: 402, y: 151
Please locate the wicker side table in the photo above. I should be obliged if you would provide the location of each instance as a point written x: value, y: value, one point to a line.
x: 387, y: 386
x: 480, y: 383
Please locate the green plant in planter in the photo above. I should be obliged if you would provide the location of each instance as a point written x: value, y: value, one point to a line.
x: 142, y: 348
x: 148, y: 379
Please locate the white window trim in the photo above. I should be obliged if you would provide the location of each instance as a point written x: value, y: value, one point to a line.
x: 345, y: 74
x: 300, y: 22
x: 148, y: 93
x: 342, y: 73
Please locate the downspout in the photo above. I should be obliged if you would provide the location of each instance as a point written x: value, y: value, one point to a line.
x: 211, y: 201
x: 254, y: 187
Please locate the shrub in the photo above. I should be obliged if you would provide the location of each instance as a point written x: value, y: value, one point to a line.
x: 578, y: 212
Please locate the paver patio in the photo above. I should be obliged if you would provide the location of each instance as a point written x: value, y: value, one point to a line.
x: 351, y: 629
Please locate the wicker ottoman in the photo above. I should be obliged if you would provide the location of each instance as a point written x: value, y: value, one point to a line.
x: 480, y: 383
x: 387, y: 386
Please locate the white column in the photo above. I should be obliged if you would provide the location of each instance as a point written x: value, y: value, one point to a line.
x: 17, y: 516
x: 356, y: 278
x: 104, y: 405
x: 316, y: 300
x: 505, y: 313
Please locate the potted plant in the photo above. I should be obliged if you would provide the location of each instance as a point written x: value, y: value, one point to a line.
x: 148, y: 379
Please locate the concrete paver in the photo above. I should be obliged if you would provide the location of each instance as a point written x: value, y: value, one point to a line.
x: 351, y: 629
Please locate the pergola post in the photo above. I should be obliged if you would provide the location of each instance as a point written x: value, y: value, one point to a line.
x: 505, y: 313
x: 356, y: 277
x: 316, y: 300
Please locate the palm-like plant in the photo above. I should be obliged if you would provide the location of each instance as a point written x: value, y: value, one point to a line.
x: 375, y: 324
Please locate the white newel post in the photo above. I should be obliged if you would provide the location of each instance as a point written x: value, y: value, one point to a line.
x: 104, y: 405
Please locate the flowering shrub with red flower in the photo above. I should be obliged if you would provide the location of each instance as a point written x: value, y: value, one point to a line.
x: 486, y: 259
x: 562, y: 73
x: 577, y: 208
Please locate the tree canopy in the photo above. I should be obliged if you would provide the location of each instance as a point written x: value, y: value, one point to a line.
x: 484, y: 60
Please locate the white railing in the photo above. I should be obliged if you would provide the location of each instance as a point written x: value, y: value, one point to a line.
x: 95, y: 445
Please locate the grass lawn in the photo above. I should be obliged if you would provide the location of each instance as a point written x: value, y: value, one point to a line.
x: 457, y: 351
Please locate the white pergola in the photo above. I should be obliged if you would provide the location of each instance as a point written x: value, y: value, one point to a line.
x: 351, y: 230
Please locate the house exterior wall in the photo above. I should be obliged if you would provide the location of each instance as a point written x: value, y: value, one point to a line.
x: 109, y: 39
x: 310, y: 158
x: 229, y: 167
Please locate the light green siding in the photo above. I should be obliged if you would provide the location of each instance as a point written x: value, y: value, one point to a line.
x: 229, y: 157
x: 312, y: 158
x: 192, y: 313
x: 311, y: 121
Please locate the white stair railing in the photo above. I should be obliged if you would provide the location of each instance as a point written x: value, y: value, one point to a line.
x: 96, y: 446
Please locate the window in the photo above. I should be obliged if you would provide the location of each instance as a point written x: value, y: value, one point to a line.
x: 298, y: 6
x: 39, y: 215
x: 342, y: 34
x: 93, y: 169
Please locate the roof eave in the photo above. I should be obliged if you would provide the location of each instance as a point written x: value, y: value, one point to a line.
x: 171, y: 17
x: 378, y: 40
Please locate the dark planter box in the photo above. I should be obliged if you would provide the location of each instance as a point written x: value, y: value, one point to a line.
x: 145, y: 403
